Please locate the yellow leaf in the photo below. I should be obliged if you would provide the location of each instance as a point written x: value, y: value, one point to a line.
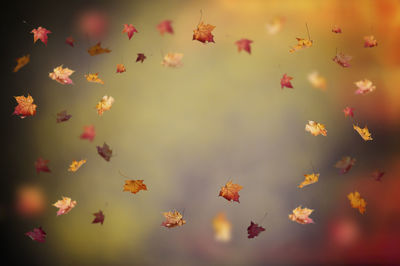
x: 309, y: 179
x: 21, y: 62
x: 316, y: 128
x: 222, y: 228
x: 94, y: 78
x: 75, y: 165
x: 357, y: 202
x: 364, y: 132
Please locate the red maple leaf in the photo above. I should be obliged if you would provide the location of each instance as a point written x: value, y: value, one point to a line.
x: 88, y: 133
x: 41, y: 165
x: 336, y: 29
x: 377, y: 175
x: 254, y: 230
x: 70, y: 41
x: 99, y: 217
x: 165, y: 27
x: 63, y: 116
x: 285, y: 81
x: 129, y: 29
x: 140, y: 57
x: 37, y: 234
x: 244, y: 44
x: 348, y: 111
x: 105, y: 152
x: 342, y: 59
x: 121, y: 68
x: 40, y: 34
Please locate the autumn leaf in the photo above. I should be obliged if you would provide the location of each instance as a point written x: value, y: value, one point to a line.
x: 357, y: 202
x: 342, y: 59
x: 63, y: 116
x: 104, y: 152
x: 377, y: 175
x: 336, y: 29
x: 129, y: 30
x: 275, y: 25
x: 30, y: 201
x: 364, y: 86
x: 97, y: 49
x: 345, y: 164
x: 300, y: 215
x: 244, y: 44
x: 140, y: 57
x: 370, y: 41
x: 94, y: 77
x: 134, y: 186
x: 25, y: 106
x: 70, y: 41
x: 75, y: 165
x: 172, y: 60
x: 65, y: 205
x: 165, y: 27
x: 309, y: 179
x: 88, y: 133
x: 316, y: 128
x: 121, y: 68
x: 364, y: 132
x: 348, y: 111
x: 40, y: 34
x: 222, y: 228
x: 173, y: 219
x: 317, y: 81
x: 285, y: 81
x: 99, y: 217
x: 61, y: 75
x: 21, y: 62
x: 104, y: 105
x: 301, y: 44
x: 37, y: 234
x: 203, y: 33
x: 230, y: 191
x: 254, y: 230
x: 41, y: 165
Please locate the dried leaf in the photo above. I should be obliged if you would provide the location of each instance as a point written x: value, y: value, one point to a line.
x: 61, y: 75
x: 364, y: 132
x: 21, y: 62
x: 40, y: 34
x: 345, y: 164
x: 377, y: 175
x: 342, y: 59
x: 316, y: 128
x: 70, y: 41
x: 63, y: 116
x: 370, y: 41
x: 317, y: 81
x: 230, y: 191
x: 134, y: 186
x: 336, y: 29
x: 244, y: 44
x: 301, y: 44
x: 65, y: 205
x: 300, y: 215
x: 309, y: 179
x: 165, y: 27
x: 41, y: 165
x: 104, y: 152
x: 121, y: 68
x: 203, y: 33
x: 348, y: 111
x: 75, y: 165
x: 97, y: 49
x: 140, y: 57
x: 254, y: 230
x: 37, y: 234
x: 88, y: 133
x: 99, y: 217
x: 172, y: 60
x: 104, y: 105
x: 222, y: 228
x: 285, y: 81
x: 364, y: 86
x: 25, y: 106
x: 94, y: 77
x: 173, y: 219
x: 357, y: 202
x: 129, y: 30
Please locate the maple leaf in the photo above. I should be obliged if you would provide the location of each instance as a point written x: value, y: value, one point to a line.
x: 30, y: 201
x: 61, y: 75
x: 309, y: 179
x: 230, y: 191
x: 65, y: 205
x: 222, y: 228
x: 165, y: 27
x: 254, y: 230
x: 134, y: 186
x: 41, y: 165
x: 40, y: 34
x: 244, y: 44
x: 364, y: 132
x: 140, y: 57
x: 121, y: 68
x: 63, y: 116
x: 203, y: 33
x: 99, y: 217
x: 70, y: 41
x: 94, y: 77
x: 37, y: 234
x: 336, y: 29
x: 25, y: 106
x: 173, y: 219
x: 345, y: 164
x: 377, y: 175
x: 370, y: 41
x: 104, y: 105
x: 285, y: 81
x: 75, y: 165
x: 275, y: 25
x: 342, y: 59
x: 172, y: 60
x: 348, y: 111
x: 357, y: 202
x: 88, y: 133
x: 97, y: 49
x: 316, y: 128
x: 301, y: 44
x: 129, y: 30
x: 300, y: 215
x: 104, y: 152
x: 21, y: 62
x: 364, y: 86
x: 317, y: 81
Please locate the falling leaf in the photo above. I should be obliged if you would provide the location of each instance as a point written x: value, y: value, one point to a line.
x: 317, y: 81
x: 99, y: 217
x: 97, y: 49
x: 342, y: 59
x: 222, y: 228
x: 94, y: 77
x: 165, y: 27
x: 30, y: 201
x: 37, y: 234
x: 104, y: 105
x: 203, y: 33
x: 309, y: 179
x: 134, y: 186
x: 70, y: 41
x: 254, y: 230
x: 345, y: 164
x: 75, y: 165
x: 300, y: 215
x: 172, y: 60
x: 173, y: 219
x: 377, y: 175
x: 370, y: 41
x: 140, y: 57
x: 129, y: 30
x: 104, y: 152
x: 348, y: 111
x: 63, y: 116
x: 275, y: 25
x: 336, y: 29
x: 244, y: 44
x: 316, y: 128
x: 357, y: 202
x: 40, y: 34
x: 21, y: 62
x: 25, y: 106
x: 301, y: 44
x: 61, y: 75
x: 121, y: 68
x: 230, y: 191
x: 364, y: 86
x: 364, y: 132
x: 65, y: 205
x: 41, y: 165
x: 88, y: 133
x: 285, y: 81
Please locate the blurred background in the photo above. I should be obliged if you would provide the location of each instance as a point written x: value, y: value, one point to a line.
x: 187, y: 131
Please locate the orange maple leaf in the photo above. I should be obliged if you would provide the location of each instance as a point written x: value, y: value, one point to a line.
x: 65, y: 205
x: 203, y: 33
x: 21, y: 62
x: 94, y: 78
x: 316, y: 128
x: 364, y: 132
x: 230, y: 191
x: 134, y: 186
x: 97, y: 49
x: 309, y: 179
x: 121, y: 68
x: 357, y: 202
x: 25, y: 106
x: 104, y: 105
x: 75, y: 165
x: 300, y: 215
x: 173, y: 219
